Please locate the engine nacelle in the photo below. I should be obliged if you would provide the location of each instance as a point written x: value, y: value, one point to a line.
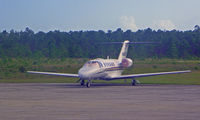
x: 126, y: 62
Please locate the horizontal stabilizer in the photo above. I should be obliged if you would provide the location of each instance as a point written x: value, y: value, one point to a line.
x: 131, y: 43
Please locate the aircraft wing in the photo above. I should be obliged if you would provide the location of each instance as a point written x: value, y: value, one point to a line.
x: 52, y: 73
x: 148, y: 74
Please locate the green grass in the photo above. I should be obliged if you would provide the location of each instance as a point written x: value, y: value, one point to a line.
x: 140, y: 66
x: 192, y: 78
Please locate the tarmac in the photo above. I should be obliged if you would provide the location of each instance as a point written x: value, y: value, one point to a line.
x: 61, y: 101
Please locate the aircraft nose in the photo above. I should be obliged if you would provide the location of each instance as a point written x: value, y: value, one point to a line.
x: 85, y: 74
x: 82, y: 73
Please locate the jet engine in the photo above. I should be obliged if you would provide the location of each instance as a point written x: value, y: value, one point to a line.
x: 126, y: 62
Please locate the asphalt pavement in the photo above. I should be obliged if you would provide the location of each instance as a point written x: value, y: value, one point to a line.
x: 61, y: 101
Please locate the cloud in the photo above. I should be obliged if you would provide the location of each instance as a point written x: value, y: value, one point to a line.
x: 166, y: 25
x: 128, y: 22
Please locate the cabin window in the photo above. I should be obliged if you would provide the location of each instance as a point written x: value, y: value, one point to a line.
x: 109, y: 64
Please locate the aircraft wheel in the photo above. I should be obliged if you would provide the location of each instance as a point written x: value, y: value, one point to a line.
x: 88, y: 84
x: 82, y: 82
x: 133, y: 82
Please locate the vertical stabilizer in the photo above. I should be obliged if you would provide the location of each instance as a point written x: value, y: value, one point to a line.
x: 124, y: 50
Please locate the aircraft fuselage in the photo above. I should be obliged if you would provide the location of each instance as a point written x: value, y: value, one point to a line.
x: 103, y: 68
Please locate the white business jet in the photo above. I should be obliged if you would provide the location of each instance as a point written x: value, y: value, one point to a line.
x: 108, y: 69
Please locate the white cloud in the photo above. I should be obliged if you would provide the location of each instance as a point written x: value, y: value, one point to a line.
x: 166, y: 25
x: 128, y: 22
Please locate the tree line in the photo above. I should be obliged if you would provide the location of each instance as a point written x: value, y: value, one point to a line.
x: 88, y: 44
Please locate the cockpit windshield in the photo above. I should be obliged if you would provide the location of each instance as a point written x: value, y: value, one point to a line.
x: 94, y: 64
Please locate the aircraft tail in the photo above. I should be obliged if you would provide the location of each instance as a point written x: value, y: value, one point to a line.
x: 124, y: 50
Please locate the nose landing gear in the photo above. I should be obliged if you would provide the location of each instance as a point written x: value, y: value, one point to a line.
x: 88, y: 84
x: 82, y: 82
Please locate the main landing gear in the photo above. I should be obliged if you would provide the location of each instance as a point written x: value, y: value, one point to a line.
x: 88, y: 84
x: 134, y: 82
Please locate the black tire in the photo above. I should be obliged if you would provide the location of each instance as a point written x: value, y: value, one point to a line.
x: 133, y: 82
x: 82, y: 82
x: 88, y: 84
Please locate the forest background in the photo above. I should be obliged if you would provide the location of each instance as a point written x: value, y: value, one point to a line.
x: 67, y: 51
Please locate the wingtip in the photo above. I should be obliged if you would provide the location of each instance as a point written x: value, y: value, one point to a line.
x: 186, y: 71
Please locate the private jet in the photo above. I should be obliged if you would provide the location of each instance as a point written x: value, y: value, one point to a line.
x: 108, y: 69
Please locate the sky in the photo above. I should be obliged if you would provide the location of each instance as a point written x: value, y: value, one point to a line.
x: 76, y: 15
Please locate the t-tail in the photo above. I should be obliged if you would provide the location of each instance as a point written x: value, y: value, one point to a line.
x: 124, y: 51
x: 125, y: 45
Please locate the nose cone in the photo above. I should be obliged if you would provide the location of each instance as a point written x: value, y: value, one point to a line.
x: 84, y: 73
